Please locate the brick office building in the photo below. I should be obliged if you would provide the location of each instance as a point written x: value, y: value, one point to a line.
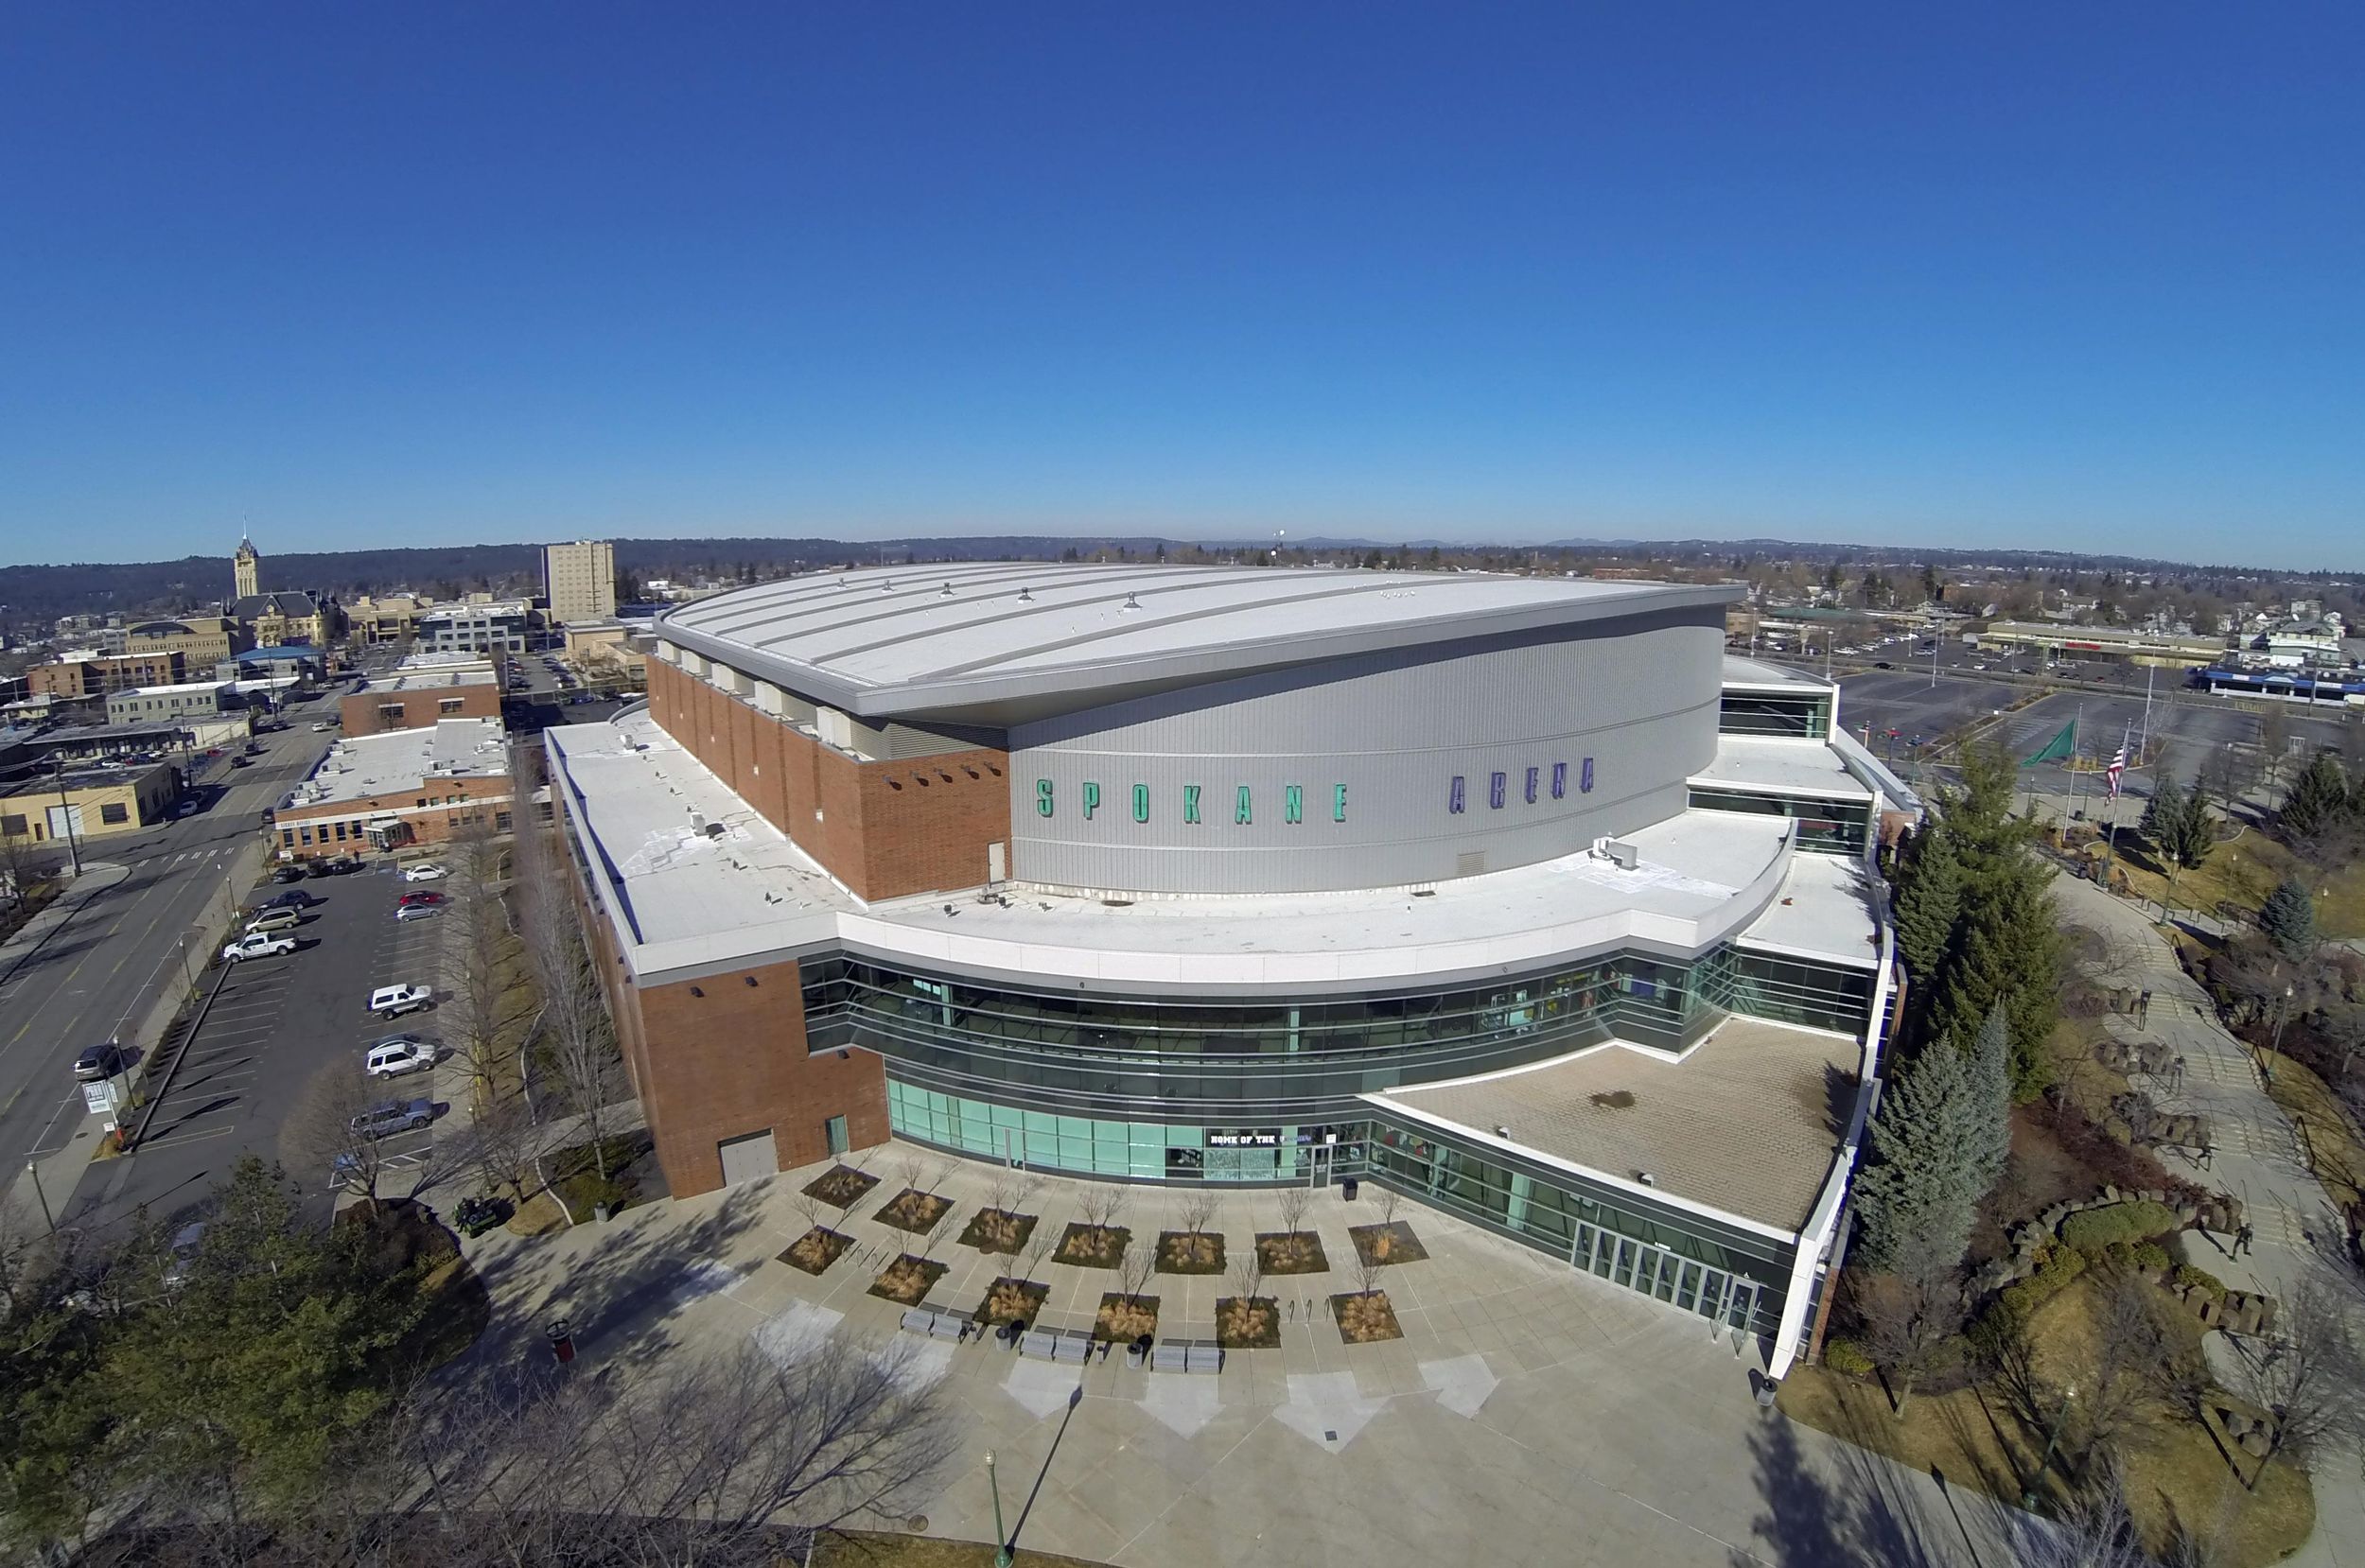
x: 1189, y: 875
x: 98, y: 674
x: 374, y: 794
x: 415, y: 699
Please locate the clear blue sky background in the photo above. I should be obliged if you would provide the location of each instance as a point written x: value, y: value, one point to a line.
x: 2085, y: 276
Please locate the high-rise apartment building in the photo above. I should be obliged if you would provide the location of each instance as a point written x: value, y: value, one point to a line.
x: 580, y: 579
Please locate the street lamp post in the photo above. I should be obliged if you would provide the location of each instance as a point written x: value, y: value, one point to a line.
x: 2052, y: 1435
x: 66, y: 809
x: 1001, y: 1537
x: 2283, y: 1015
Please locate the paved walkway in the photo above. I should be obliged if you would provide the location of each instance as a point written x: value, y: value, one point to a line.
x: 2258, y: 1157
x: 1529, y: 1415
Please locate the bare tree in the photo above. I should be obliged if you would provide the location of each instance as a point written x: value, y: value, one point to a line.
x: 1367, y: 1267
x: 1390, y: 1202
x: 1199, y: 1206
x: 1908, y: 1317
x: 1293, y: 1203
x: 2306, y: 1374
x: 1039, y: 1242
x: 577, y: 1035
x: 1134, y: 1272
x: 474, y: 973
x: 909, y: 1168
x: 2092, y: 1530
x: 318, y: 1138
x: 2118, y: 1385
x: 497, y: 1149
x: 1247, y: 1273
x: 1101, y: 1204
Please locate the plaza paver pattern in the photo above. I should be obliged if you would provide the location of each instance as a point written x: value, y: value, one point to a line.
x: 1529, y: 1415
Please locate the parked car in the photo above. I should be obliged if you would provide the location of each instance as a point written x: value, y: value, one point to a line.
x: 322, y: 726
x: 295, y: 897
x: 238, y: 763
x: 397, y: 1055
x: 98, y: 1061
x: 259, y: 944
x: 187, y: 809
x: 281, y: 918
x: 335, y: 865
x: 391, y: 1002
x: 393, y: 1116
x: 417, y: 911
x: 287, y: 874
x: 426, y: 871
x: 410, y: 898
x: 185, y: 1243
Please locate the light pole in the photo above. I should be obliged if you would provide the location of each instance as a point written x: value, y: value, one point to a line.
x: 2282, y: 1015
x: 1001, y: 1535
x: 2052, y: 1435
x: 33, y: 1168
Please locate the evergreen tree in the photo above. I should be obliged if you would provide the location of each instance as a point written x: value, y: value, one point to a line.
x: 2161, y: 813
x: 2007, y: 955
x: 2193, y: 834
x: 1929, y: 901
x: 1991, y: 1092
x: 2289, y: 918
x: 1916, y: 1201
x: 2319, y: 799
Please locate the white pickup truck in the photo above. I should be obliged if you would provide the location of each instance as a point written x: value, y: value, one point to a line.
x: 259, y: 944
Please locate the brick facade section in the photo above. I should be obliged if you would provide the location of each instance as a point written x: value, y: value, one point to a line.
x: 361, y: 711
x: 885, y: 829
x: 716, y: 1059
x: 457, y: 802
x: 106, y: 674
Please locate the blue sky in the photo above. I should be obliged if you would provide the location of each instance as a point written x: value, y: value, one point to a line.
x: 423, y: 274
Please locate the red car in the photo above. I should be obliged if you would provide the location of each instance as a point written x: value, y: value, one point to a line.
x: 412, y: 900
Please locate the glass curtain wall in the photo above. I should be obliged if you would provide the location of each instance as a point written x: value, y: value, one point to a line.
x: 1825, y: 826
x: 1806, y: 718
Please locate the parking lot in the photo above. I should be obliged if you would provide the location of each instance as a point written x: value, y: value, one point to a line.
x: 274, y: 1025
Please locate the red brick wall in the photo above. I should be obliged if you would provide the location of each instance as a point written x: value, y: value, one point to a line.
x: 483, y: 796
x: 420, y: 708
x: 722, y: 1058
x: 883, y: 828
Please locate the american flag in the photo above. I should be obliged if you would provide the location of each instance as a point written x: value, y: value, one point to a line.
x: 2118, y: 766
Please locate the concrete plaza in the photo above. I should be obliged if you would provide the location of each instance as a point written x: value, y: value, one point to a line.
x: 1530, y: 1414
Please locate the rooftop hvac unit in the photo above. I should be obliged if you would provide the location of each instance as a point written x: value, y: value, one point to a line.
x: 697, y: 820
x: 1626, y: 855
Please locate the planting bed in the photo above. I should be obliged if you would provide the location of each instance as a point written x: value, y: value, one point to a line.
x: 908, y: 1279
x: 1010, y: 1300
x: 816, y: 1251
x: 1291, y: 1252
x: 1250, y: 1324
x: 1124, y: 1319
x: 1087, y: 1248
x: 1190, y: 1252
x: 841, y: 1185
x: 1393, y: 1242
x: 914, y: 1210
x: 998, y: 1230
x: 1365, y: 1318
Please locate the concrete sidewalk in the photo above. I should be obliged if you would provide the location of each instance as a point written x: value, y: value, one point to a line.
x: 2296, y: 1230
x: 1531, y: 1414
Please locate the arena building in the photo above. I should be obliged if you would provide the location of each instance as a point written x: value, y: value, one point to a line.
x: 1515, y: 894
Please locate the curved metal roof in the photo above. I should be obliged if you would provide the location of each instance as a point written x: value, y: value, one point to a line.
x: 904, y: 639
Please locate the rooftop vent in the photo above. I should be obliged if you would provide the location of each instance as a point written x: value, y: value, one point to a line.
x: 1132, y: 602
x: 1025, y: 596
x: 948, y: 591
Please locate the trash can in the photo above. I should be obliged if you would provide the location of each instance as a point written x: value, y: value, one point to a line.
x: 562, y: 1337
x: 1349, y: 1187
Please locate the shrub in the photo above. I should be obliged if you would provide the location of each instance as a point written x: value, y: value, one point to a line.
x: 2023, y: 1300
x: 2187, y: 1277
x: 1848, y: 1358
x: 2151, y: 1255
x: 2091, y: 1231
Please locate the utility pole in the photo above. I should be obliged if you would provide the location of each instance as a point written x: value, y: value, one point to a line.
x: 2073, y: 759
x: 65, y: 807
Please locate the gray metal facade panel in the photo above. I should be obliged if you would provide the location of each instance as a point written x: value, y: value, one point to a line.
x: 1638, y: 699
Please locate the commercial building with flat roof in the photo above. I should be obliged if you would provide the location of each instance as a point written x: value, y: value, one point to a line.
x: 378, y: 794
x: 86, y: 803
x: 149, y: 705
x: 415, y: 698
x: 579, y: 580
x: 1192, y: 875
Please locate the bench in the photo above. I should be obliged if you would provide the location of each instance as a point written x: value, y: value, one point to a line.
x: 1186, y: 1355
x: 1069, y: 1345
x: 936, y: 1324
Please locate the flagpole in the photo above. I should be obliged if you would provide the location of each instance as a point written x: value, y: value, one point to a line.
x: 2111, y: 846
x: 2073, y: 761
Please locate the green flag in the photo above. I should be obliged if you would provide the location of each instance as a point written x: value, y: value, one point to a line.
x: 2059, y: 749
